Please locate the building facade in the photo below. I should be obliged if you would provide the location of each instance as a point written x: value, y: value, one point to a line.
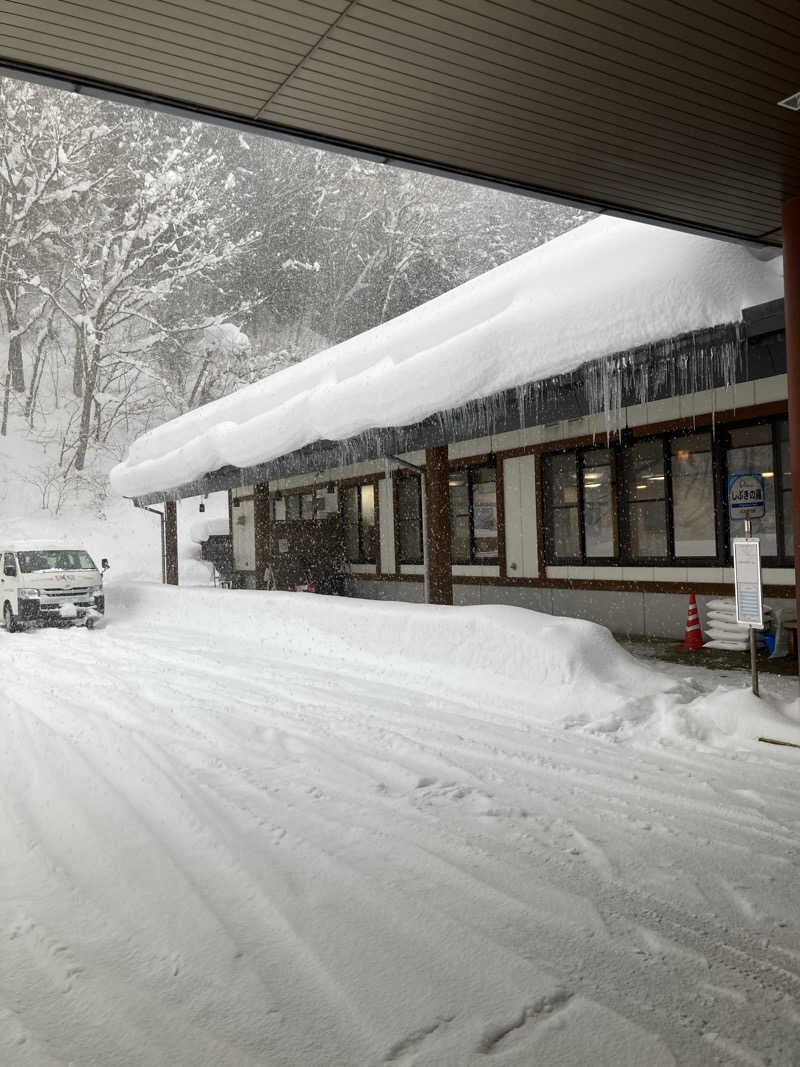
x: 613, y: 516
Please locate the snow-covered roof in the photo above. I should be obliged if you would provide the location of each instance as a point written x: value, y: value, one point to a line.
x: 607, y: 286
x: 202, y: 529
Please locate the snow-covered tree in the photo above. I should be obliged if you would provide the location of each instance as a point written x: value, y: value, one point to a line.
x: 149, y: 264
x: 150, y: 231
x: 45, y: 147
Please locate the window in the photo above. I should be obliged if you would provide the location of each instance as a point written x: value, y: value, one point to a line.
x: 561, y: 490
x: 581, y: 484
x: 358, y: 517
x: 693, y: 516
x: 646, y: 500
x: 599, y: 503
x: 55, y: 560
x: 409, y: 517
x: 473, y: 515
x: 750, y: 452
x: 671, y: 506
x: 293, y: 507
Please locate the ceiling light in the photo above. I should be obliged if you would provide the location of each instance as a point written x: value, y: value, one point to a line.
x: 791, y: 102
x: 642, y: 487
x: 767, y: 474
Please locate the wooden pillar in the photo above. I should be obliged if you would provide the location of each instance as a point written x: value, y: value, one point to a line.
x: 791, y: 289
x: 437, y: 487
x: 261, y: 527
x: 171, y: 541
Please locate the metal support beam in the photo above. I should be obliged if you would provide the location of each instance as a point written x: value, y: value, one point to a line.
x: 437, y: 492
x: 171, y: 542
x: 791, y: 286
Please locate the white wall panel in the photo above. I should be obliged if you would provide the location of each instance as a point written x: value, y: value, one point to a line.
x: 386, y: 531
x: 519, y: 482
x: 243, y: 535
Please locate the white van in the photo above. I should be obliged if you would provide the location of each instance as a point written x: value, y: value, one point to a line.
x: 45, y: 583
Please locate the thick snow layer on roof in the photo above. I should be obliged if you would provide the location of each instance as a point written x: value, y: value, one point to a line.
x: 202, y: 529
x: 604, y: 287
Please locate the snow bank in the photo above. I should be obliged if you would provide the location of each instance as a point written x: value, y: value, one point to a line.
x: 526, y: 665
x: 494, y: 652
x: 604, y: 287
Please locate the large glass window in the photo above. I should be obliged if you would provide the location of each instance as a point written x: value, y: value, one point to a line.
x: 599, y: 503
x: 409, y: 517
x: 645, y: 494
x: 292, y: 507
x: 562, y: 531
x: 358, y: 517
x: 673, y: 507
x: 693, y: 513
x: 484, y: 514
x: 750, y: 452
x: 473, y: 515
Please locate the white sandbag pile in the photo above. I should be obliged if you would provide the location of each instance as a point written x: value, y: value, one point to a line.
x: 723, y: 629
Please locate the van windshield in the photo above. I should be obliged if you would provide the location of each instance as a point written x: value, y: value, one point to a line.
x: 55, y: 559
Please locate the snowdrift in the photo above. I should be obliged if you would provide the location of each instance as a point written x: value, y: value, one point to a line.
x: 517, y: 663
x: 497, y: 653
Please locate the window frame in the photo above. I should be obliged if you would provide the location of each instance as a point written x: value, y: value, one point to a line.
x: 470, y: 469
x: 345, y: 487
x: 284, y: 496
x: 720, y: 444
x: 781, y: 558
x: 407, y: 475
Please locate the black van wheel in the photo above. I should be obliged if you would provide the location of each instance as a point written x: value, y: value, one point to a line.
x: 9, y: 619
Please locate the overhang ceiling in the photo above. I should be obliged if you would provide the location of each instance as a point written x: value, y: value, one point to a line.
x: 651, y: 108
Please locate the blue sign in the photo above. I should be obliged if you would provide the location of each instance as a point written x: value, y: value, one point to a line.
x: 746, y: 496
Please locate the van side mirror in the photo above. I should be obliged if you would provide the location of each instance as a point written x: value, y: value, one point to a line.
x: 105, y: 564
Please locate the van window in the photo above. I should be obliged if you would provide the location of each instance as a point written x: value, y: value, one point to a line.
x: 9, y: 566
x: 55, y: 560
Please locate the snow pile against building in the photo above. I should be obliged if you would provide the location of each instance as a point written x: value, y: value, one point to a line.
x: 535, y: 667
x: 202, y: 529
x: 605, y: 287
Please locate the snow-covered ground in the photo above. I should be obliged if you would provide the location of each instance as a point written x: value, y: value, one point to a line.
x: 243, y: 828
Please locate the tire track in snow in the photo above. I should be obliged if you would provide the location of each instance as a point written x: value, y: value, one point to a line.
x: 282, y: 841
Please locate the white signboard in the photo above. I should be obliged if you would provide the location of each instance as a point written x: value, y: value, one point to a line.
x: 746, y: 496
x: 747, y: 579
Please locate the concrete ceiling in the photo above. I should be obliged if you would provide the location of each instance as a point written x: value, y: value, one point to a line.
x: 652, y: 108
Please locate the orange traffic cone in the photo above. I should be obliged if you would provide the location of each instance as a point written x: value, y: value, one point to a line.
x: 694, y: 635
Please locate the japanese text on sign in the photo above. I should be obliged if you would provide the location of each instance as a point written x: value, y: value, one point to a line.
x: 746, y: 496
x: 747, y: 580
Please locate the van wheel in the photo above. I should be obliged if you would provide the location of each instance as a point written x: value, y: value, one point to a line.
x: 9, y: 620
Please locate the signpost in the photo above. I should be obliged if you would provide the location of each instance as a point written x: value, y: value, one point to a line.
x: 747, y: 501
